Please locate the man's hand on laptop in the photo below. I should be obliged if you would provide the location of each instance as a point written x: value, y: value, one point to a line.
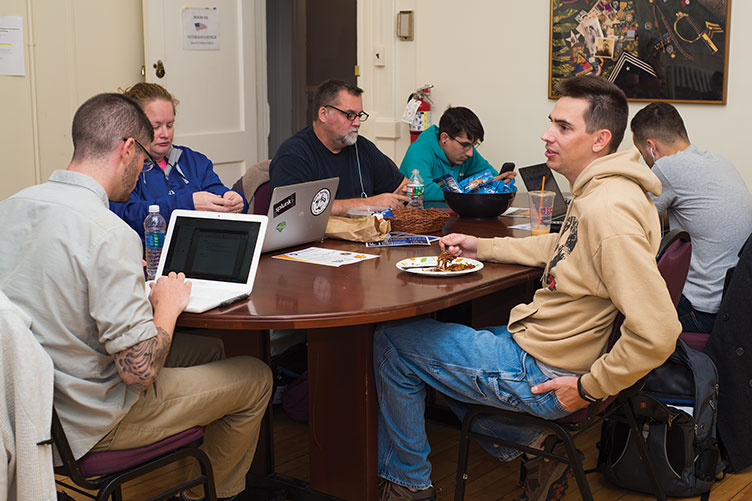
x: 170, y: 292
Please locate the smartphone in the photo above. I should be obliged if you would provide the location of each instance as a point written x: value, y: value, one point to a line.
x: 508, y: 166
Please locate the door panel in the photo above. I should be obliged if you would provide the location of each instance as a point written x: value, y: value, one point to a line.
x: 219, y: 90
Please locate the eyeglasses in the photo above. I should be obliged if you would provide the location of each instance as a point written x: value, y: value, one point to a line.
x: 350, y: 115
x: 149, y: 163
x: 467, y: 146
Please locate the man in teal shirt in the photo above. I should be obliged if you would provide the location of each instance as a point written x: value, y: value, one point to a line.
x: 448, y: 149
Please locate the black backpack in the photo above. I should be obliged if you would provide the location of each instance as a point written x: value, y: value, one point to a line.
x: 676, y: 410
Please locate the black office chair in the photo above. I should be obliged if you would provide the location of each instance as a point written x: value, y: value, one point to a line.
x: 673, y: 263
x: 106, y: 471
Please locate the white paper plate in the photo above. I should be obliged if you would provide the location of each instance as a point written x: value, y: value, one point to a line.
x: 428, y: 263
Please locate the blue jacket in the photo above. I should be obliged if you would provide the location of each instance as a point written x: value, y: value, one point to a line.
x: 426, y: 155
x: 187, y: 172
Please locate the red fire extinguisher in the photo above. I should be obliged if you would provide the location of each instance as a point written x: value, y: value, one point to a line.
x: 422, y: 120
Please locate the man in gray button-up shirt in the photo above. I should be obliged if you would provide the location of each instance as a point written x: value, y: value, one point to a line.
x: 76, y: 269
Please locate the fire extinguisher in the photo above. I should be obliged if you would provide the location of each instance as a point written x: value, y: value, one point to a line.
x: 422, y: 120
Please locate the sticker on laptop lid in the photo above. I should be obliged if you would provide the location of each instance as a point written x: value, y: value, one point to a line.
x: 284, y: 205
x: 320, y: 201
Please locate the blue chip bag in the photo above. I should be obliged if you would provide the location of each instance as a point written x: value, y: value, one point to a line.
x: 448, y: 183
x: 475, y: 181
x: 499, y: 186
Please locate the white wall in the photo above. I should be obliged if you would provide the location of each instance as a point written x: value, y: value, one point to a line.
x: 492, y: 56
x: 74, y: 49
x: 488, y: 55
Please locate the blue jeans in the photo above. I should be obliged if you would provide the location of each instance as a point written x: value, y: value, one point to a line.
x: 467, y: 365
x: 693, y: 320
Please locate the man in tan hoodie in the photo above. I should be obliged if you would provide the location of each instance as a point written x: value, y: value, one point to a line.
x: 549, y: 360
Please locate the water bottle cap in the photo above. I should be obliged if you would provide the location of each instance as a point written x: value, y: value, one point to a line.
x: 154, y: 208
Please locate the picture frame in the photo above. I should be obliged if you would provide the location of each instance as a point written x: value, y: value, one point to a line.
x: 654, y: 50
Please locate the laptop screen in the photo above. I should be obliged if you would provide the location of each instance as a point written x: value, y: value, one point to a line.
x: 533, y: 178
x: 212, y: 249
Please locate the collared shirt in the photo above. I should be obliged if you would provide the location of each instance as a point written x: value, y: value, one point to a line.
x: 74, y: 267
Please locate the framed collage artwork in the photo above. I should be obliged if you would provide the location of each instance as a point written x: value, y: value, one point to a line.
x: 654, y: 50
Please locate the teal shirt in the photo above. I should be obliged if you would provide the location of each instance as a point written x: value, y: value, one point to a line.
x: 426, y: 155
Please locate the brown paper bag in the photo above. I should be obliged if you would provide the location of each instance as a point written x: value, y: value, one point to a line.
x: 366, y: 229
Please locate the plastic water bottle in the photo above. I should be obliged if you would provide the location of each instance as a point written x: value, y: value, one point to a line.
x: 415, y: 190
x: 154, y: 234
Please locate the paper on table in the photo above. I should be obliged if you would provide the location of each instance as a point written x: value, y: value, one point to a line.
x: 516, y: 212
x: 327, y: 257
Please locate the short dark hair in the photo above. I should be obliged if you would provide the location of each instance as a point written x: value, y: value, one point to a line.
x: 328, y: 91
x: 103, y: 121
x: 660, y: 121
x: 459, y: 119
x: 608, y: 107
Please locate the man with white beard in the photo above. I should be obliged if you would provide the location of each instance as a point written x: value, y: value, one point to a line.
x: 331, y: 147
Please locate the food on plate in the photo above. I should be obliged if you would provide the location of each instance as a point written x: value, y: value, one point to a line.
x: 444, y: 263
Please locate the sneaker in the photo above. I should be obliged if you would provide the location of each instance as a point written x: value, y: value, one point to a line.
x: 544, y: 478
x: 389, y: 491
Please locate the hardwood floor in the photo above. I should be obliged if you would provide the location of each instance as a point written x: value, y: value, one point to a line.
x: 490, y: 479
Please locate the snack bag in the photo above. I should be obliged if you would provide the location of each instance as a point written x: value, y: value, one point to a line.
x: 384, y: 215
x: 448, y: 183
x: 499, y: 186
x: 475, y: 181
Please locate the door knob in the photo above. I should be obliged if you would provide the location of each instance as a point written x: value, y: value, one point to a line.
x: 159, y: 67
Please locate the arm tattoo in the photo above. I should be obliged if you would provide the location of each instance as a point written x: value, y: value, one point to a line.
x: 139, y: 365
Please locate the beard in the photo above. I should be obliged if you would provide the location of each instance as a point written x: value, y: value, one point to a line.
x: 350, y: 138
x: 128, y: 181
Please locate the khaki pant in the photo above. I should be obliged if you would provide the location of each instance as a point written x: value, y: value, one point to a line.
x: 198, y: 386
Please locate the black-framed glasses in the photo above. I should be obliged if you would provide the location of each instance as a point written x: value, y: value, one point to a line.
x: 149, y: 163
x: 350, y: 115
x: 466, y: 145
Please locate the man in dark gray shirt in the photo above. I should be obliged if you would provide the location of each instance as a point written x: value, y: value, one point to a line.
x: 704, y: 195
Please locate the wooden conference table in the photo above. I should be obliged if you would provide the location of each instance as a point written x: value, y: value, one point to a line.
x: 340, y: 308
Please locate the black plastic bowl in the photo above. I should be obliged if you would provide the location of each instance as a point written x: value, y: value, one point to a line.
x: 479, y: 205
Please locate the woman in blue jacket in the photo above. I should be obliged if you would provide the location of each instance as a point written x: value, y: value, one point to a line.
x: 182, y: 178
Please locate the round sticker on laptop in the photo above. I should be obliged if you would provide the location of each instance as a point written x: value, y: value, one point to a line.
x: 320, y: 201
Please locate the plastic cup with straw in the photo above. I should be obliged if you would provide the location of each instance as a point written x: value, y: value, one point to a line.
x: 540, y: 205
x: 540, y: 222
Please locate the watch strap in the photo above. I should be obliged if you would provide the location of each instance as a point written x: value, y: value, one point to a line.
x: 583, y: 394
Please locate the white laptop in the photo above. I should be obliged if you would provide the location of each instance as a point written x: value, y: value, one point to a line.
x: 298, y: 213
x: 218, y: 252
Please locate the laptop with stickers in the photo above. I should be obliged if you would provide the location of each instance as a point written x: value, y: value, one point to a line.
x: 533, y: 178
x: 298, y: 213
x: 218, y: 252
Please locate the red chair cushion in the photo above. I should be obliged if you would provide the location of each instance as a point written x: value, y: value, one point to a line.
x: 103, y: 462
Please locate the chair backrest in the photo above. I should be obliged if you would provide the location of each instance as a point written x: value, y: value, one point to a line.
x: 674, y: 255
x: 254, y: 186
x: 261, y: 199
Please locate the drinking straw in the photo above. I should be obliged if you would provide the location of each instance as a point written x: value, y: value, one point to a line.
x: 540, y: 204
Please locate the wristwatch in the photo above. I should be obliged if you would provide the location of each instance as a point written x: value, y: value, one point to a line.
x: 583, y: 394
